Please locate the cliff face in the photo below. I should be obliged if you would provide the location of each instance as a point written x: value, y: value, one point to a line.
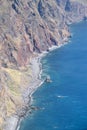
x: 32, y: 26
x: 27, y: 28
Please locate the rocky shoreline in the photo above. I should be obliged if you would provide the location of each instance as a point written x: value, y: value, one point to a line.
x: 37, y: 84
x: 14, y: 122
x: 36, y: 64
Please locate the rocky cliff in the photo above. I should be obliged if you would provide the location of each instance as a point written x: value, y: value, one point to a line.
x: 27, y: 28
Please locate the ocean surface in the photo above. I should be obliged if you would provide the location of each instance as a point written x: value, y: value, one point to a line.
x: 63, y: 103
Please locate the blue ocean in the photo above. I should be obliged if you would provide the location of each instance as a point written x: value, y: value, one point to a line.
x: 63, y: 102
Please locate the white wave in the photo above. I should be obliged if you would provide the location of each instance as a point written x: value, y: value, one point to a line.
x: 55, y: 127
x: 60, y: 96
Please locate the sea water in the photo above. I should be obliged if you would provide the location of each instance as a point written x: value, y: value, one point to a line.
x: 63, y: 102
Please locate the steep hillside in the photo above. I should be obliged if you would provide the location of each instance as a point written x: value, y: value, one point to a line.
x: 27, y: 28
x: 80, y: 1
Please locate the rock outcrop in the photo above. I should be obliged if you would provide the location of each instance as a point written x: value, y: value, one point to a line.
x: 27, y: 28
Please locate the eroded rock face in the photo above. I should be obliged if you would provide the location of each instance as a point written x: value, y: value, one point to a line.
x: 27, y: 28
x: 77, y: 12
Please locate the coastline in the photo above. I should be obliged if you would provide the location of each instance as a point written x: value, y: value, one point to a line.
x: 45, y: 97
x: 13, y: 123
x: 15, y: 120
x: 38, y: 84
